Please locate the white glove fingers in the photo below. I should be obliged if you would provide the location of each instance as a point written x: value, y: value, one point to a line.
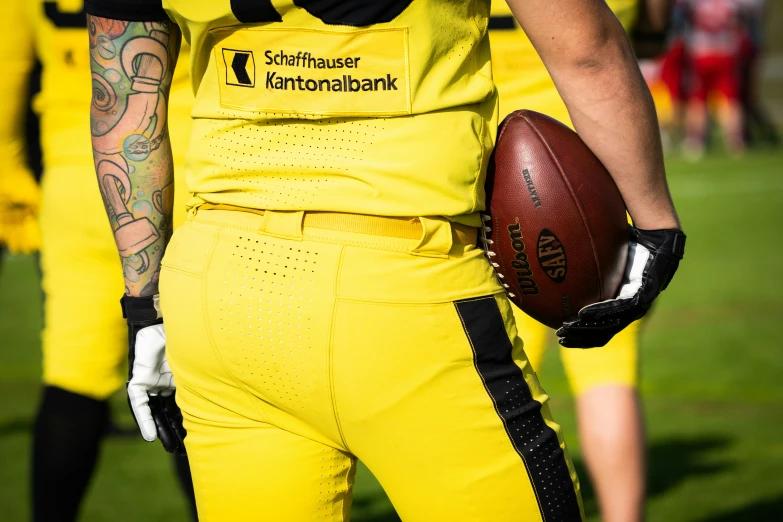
x: 139, y: 403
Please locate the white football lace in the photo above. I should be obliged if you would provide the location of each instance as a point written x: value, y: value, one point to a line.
x: 486, y: 229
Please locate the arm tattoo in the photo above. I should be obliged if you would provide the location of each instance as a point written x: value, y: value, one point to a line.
x: 132, y: 65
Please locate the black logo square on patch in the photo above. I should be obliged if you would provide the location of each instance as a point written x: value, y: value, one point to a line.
x: 240, y: 67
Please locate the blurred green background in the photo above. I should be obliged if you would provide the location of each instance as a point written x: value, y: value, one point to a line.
x: 712, y: 365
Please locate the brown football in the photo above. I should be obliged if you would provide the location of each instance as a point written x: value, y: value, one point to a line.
x: 559, y: 230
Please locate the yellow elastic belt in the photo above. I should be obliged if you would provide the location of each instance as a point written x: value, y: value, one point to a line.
x: 402, y: 227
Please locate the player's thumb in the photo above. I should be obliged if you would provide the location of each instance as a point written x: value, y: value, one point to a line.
x: 140, y: 408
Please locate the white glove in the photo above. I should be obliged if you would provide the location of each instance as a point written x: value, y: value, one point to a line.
x: 150, y: 376
x: 151, y: 390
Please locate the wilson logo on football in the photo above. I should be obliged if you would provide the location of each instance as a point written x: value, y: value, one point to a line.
x: 521, y: 264
x: 552, y: 256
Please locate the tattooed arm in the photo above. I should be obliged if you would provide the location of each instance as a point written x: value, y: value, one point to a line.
x: 132, y: 65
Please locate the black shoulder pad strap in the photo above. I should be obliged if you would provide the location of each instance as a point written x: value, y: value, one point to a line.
x: 127, y: 10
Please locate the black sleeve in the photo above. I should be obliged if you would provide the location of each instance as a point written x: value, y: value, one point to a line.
x: 130, y: 10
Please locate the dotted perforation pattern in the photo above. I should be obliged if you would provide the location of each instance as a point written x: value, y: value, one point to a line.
x: 532, y: 438
x: 284, y: 163
x: 336, y: 480
x: 266, y: 298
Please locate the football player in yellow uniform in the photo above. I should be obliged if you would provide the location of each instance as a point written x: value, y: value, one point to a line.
x: 84, y: 337
x: 604, y: 381
x: 325, y: 300
x: 19, y: 192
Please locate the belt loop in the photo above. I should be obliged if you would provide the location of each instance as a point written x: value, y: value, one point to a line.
x: 192, y: 206
x: 284, y: 224
x: 436, y: 239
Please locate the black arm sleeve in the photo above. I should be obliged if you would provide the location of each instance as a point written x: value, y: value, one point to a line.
x: 130, y: 10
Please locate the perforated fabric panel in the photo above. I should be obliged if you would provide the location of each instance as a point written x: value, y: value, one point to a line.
x: 280, y: 165
x: 535, y: 442
x: 360, y: 165
x: 267, y: 298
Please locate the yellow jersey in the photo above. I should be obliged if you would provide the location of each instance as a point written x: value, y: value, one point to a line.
x: 380, y: 107
x: 521, y: 78
x: 55, y: 32
x: 16, y: 61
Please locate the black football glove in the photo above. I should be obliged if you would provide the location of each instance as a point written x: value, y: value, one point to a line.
x: 150, y: 385
x: 653, y: 258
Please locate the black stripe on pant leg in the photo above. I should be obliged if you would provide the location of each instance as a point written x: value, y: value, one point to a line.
x: 533, y: 440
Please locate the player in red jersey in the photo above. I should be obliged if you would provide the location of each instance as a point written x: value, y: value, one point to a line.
x: 713, y: 43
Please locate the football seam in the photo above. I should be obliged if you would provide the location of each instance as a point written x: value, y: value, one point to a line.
x: 501, y: 263
x: 573, y: 198
x: 500, y: 276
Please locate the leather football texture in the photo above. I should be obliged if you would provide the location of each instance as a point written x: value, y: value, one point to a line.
x: 559, y: 234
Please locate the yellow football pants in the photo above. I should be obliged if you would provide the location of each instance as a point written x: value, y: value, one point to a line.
x: 298, y: 348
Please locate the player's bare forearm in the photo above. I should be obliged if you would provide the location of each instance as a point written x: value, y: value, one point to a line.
x: 132, y: 65
x: 591, y: 61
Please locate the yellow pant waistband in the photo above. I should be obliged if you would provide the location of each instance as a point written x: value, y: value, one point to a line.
x: 390, y: 226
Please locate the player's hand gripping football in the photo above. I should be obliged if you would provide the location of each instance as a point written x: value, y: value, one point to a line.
x: 653, y: 258
x: 150, y: 381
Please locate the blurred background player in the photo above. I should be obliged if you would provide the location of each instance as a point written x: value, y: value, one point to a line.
x: 713, y: 41
x: 84, y: 339
x: 658, y: 41
x: 19, y: 192
x: 603, y: 380
x: 759, y: 126
x: 674, y: 80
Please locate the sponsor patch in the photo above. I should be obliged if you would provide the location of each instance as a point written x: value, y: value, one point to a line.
x: 240, y: 68
x: 303, y: 71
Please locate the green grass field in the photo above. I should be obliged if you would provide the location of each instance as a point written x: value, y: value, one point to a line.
x: 711, y: 373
